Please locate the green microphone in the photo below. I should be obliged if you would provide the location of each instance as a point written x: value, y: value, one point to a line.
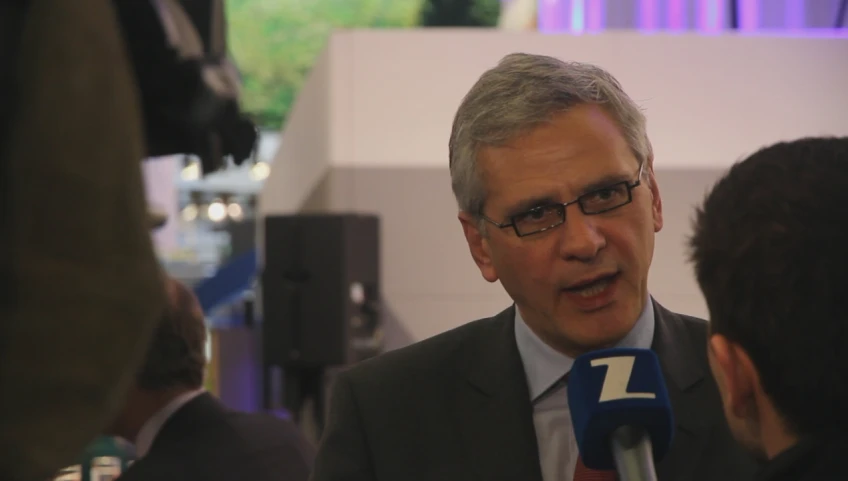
x: 103, y: 460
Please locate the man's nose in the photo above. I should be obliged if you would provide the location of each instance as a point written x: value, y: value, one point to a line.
x: 580, y: 238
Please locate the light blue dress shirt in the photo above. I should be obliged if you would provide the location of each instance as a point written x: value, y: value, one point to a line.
x: 545, y: 367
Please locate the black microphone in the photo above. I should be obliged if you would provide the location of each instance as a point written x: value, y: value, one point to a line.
x: 620, y: 412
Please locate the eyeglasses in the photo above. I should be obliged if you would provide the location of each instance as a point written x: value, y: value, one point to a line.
x: 544, y: 217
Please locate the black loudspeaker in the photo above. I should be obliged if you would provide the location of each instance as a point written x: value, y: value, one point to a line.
x: 321, y: 290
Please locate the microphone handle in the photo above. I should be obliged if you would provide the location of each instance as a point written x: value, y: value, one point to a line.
x: 633, y: 454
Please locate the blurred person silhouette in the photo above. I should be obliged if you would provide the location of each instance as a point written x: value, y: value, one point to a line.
x: 182, y: 432
x: 88, y: 89
x: 769, y: 250
x: 81, y: 284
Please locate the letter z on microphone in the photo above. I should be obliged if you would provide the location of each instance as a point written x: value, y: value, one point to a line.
x: 620, y: 411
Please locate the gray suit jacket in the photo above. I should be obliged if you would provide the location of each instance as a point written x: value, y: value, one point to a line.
x: 457, y: 407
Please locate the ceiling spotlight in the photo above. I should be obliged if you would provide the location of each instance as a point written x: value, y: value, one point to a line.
x: 189, y: 212
x: 191, y: 171
x: 260, y: 171
x: 235, y: 211
x: 217, y: 211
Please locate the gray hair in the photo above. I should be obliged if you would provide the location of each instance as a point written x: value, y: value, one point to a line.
x: 520, y: 93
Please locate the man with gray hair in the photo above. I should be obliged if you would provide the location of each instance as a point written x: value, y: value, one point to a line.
x: 553, y: 172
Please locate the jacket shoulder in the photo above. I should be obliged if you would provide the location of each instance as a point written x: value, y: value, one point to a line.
x: 695, y: 326
x: 683, y: 327
x: 432, y: 355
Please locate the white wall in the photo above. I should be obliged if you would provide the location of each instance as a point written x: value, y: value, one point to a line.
x: 401, y: 89
x: 429, y: 281
x: 387, y: 98
x: 375, y: 124
x: 161, y: 194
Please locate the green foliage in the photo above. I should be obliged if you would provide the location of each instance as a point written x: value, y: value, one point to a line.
x: 275, y: 42
x: 460, y: 13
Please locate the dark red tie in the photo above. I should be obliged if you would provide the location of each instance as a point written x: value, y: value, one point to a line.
x: 582, y: 473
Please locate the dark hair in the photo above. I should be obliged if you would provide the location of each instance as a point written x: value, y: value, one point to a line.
x: 176, y: 356
x: 770, y: 250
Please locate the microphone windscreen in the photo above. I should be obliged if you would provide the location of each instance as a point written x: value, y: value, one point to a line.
x: 611, y: 388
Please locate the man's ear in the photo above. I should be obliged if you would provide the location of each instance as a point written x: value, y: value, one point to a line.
x: 736, y: 375
x: 656, y: 199
x: 478, y: 244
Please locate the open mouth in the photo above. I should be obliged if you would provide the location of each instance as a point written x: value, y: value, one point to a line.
x: 594, y: 287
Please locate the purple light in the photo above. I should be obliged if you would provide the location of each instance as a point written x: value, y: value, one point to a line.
x: 710, y: 15
x: 799, y: 33
x: 551, y: 16
x: 648, y: 14
x: 795, y: 14
x: 595, y: 15
x: 578, y: 16
x: 749, y: 15
x: 676, y: 15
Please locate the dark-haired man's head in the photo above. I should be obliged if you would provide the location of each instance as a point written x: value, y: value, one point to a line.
x: 175, y: 362
x: 770, y: 251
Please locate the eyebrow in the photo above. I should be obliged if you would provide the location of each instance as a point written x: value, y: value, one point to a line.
x: 531, y: 203
x: 526, y: 205
x: 605, y: 181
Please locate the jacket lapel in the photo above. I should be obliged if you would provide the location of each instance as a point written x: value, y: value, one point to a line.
x: 495, y: 414
x: 493, y: 406
x: 681, y: 351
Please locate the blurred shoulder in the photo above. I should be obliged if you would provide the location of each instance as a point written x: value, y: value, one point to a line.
x: 430, y: 356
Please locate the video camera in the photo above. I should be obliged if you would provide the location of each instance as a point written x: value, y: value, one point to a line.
x: 189, y: 87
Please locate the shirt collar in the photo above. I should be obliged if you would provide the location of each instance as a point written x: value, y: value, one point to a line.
x: 543, y: 365
x: 151, y: 428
